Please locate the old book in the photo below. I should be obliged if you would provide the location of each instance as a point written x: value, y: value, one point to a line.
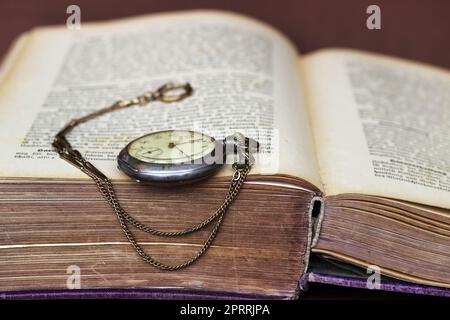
x: 354, y: 168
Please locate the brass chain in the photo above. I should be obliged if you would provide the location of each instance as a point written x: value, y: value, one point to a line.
x: 73, y: 156
x: 107, y: 190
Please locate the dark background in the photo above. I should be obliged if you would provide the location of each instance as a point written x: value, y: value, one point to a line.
x: 413, y: 29
x: 418, y: 30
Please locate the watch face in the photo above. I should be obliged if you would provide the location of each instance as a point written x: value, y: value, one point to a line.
x: 171, y: 156
x: 171, y: 147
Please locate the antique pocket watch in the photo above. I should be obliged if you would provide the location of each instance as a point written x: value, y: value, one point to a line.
x: 178, y: 156
x: 164, y: 158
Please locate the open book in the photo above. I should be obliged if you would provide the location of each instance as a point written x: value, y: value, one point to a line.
x: 354, y: 168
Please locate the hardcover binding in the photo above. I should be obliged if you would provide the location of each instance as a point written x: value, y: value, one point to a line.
x: 385, y: 285
x: 125, y: 293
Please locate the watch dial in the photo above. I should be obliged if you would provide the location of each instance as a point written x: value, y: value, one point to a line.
x: 172, y: 146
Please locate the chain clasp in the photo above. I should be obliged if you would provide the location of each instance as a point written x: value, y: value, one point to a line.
x: 173, y: 92
x: 167, y: 93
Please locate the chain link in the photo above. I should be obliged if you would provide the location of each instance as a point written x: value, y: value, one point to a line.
x: 73, y: 156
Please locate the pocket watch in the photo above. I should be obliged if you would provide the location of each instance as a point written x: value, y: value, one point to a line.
x: 177, y: 156
x: 168, y: 157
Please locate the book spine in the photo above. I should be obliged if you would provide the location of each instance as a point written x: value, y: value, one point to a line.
x: 315, y: 217
x: 317, y: 213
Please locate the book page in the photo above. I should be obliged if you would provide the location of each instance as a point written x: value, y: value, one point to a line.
x: 244, y: 75
x: 381, y: 126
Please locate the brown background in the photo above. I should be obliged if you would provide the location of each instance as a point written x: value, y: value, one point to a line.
x: 418, y: 30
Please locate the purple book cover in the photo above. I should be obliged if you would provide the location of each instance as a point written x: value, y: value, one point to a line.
x: 332, y: 272
x: 385, y: 284
x: 131, y: 293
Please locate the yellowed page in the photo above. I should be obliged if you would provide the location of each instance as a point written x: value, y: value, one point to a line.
x: 242, y: 72
x: 381, y: 125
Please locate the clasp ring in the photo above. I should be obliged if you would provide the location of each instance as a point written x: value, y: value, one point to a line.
x: 168, y: 92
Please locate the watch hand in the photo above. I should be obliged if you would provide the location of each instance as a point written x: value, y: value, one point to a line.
x: 182, y: 151
x: 176, y: 144
x: 153, y: 150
